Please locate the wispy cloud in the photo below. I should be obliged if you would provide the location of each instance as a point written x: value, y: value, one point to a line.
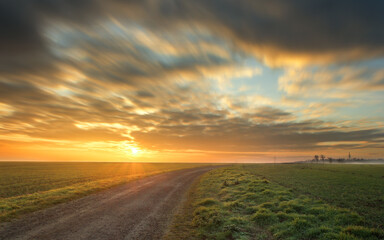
x: 279, y: 32
x: 177, y: 77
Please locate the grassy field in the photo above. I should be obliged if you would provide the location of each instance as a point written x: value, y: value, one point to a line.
x: 27, y: 187
x: 284, y: 201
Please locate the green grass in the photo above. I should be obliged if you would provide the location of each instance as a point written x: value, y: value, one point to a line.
x: 27, y: 187
x: 255, y: 202
x: 356, y: 187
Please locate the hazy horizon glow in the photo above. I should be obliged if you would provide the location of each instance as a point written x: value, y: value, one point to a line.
x: 191, y: 81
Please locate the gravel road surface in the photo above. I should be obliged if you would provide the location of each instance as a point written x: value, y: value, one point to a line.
x: 137, y: 210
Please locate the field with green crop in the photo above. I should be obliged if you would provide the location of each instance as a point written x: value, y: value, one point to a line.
x: 27, y: 187
x: 284, y: 201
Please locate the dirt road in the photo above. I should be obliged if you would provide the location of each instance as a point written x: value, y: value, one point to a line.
x: 138, y: 210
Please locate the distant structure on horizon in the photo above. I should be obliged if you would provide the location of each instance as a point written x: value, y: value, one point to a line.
x: 323, y: 159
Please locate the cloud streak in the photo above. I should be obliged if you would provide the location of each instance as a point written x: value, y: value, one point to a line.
x: 278, y: 32
x: 196, y: 77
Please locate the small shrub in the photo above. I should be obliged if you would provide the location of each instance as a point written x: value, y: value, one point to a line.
x: 317, y: 210
x: 207, y: 202
x: 346, y: 236
x: 265, y: 181
x: 292, y: 206
x: 251, y: 210
x: 234, y: 205
x: 250, y: 196
x: 363, y: 232
x: 236, y: 182
x: 237, y: 221
x: 264, y: 217
x: 225, y: 184
x: 348, y: 219
x: 268, y: 192
x: 321, y: 232
x: 268, y: 205
x: 300, y: 224
x: 224, y: 235
x: 207, y: 217
x: 282, y: 216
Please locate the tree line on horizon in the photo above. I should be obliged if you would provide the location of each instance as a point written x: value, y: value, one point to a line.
x: 323, y: 158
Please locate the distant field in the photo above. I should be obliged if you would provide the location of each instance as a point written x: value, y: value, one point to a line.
x: 284, y: 201
x: 26, y: 187
x: 356, y: 187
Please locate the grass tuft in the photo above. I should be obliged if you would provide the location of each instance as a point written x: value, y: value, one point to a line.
x: 250, y: 206
x: 207, y: 202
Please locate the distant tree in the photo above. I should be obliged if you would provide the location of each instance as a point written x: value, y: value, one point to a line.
x: 322, y: 157
x: 330, y: 160
x: 317, y: 158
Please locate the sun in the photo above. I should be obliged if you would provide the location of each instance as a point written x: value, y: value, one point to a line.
x: 134, y: 150
x: 130, y: 148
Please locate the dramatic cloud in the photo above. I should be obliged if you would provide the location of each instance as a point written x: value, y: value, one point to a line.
x: 22, y: 42
x: 332, y: 83
x: 301, y: 31
x: 217, y: 79
x: 276, y: 31
x: 158, y: 120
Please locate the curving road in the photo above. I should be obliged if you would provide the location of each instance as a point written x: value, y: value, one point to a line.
x: 137, y: 210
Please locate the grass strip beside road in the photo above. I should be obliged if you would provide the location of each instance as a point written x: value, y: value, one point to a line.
x: 237, y: 203
x: 12, y: 207
x: 359, y: 188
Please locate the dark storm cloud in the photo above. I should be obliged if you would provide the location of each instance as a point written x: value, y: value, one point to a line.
x: 343, y: 29
x: 299, y: 26
x: 309, y: 26
x: 21, y: 20
x: 18, y: 28
x: 22, y: 44
x: 16, y: 93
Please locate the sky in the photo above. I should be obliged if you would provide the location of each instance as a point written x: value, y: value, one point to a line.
x: 191, y: 81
